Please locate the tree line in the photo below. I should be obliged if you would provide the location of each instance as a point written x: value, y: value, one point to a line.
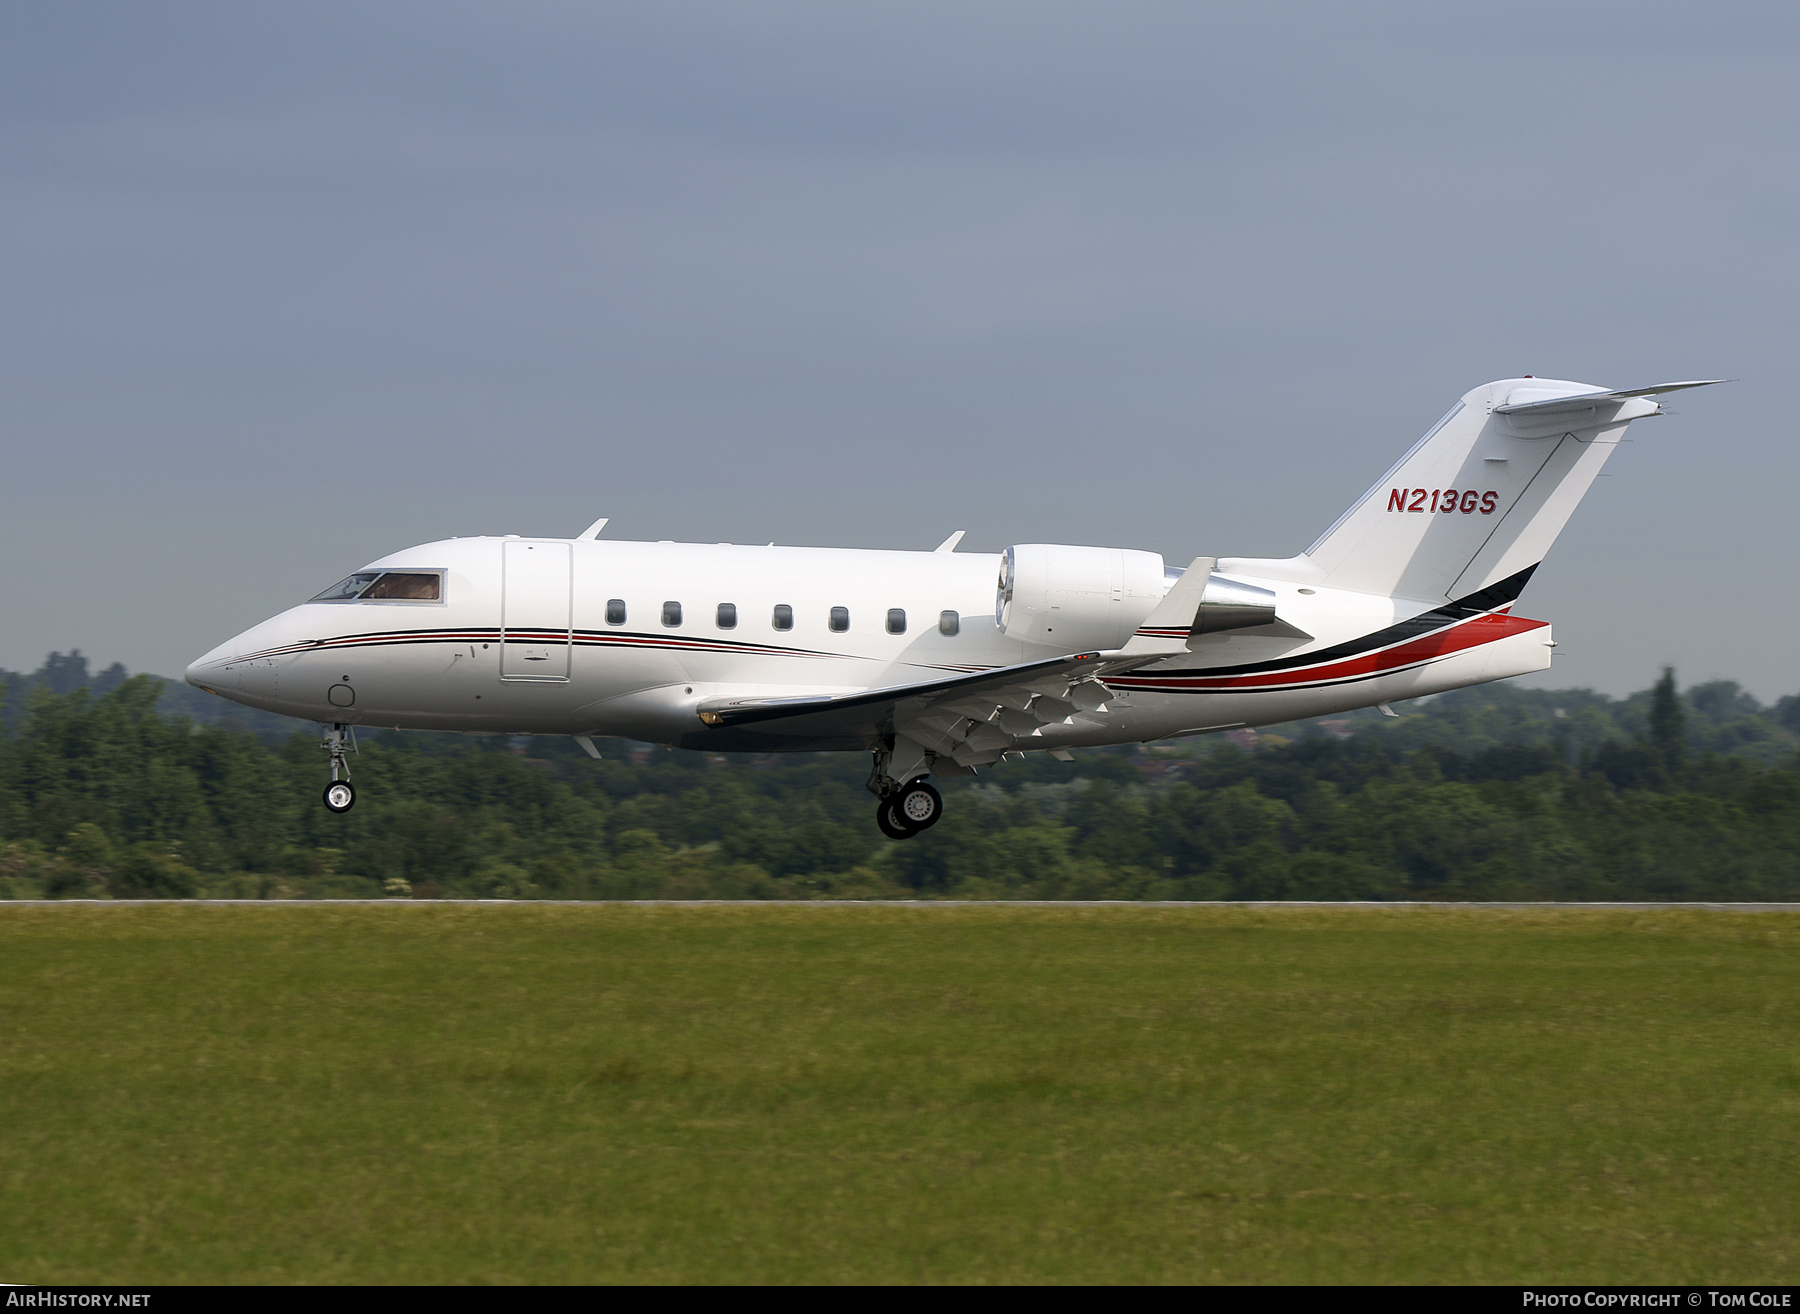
x: 113, y: 786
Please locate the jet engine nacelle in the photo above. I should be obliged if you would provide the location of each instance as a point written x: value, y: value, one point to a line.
x: 1076, y: 598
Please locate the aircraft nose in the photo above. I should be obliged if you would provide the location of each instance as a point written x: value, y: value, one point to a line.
x: 205, y: 672
x: 208, y: 671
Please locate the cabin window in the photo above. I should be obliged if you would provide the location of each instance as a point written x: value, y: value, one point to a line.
x: 840, y: 619
x: 671, y: 614
x: 615, y: 611
x: 896, y: 620
x: 387, y: 586
x: 728, y: 615
x: 784, y: 617
x: 407, y: 586
x: 949, y: 622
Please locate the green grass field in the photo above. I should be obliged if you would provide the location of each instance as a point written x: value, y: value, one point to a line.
x: 520, y: 1093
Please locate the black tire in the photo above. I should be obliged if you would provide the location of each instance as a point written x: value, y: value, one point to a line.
x: 918, y: 806
x: 340, y: 796
x: 890, y: 823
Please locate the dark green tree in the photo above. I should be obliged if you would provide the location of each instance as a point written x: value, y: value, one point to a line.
x: 1668, y: 723
x: 1675, y: 795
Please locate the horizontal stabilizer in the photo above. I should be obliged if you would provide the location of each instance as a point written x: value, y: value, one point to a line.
x: 1583, y: 400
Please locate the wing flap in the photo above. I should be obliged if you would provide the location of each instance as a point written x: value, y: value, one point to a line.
x: 872, y: 712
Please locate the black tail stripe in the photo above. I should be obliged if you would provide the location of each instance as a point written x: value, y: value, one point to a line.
x: 1494, y: 595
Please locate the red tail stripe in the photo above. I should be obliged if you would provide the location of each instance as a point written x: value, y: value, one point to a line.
x: 1442, y: 643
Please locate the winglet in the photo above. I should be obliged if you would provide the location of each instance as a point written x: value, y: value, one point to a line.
x: 949, y: 544
x: 1166, y: 629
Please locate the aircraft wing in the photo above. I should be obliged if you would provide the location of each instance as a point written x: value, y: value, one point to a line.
x: 972, y: 719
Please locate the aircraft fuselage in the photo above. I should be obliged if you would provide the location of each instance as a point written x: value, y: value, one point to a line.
x: 591, y: 637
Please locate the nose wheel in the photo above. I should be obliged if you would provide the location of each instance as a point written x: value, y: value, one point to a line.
x: 340, y: 741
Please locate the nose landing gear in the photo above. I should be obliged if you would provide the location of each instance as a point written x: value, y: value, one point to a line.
x: 339, y: 740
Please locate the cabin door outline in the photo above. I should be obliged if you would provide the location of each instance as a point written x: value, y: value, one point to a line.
x: 537, y: 602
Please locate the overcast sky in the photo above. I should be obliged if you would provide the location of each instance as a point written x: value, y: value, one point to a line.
x: 286, y: 288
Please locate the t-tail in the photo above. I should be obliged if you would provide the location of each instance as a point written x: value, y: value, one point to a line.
x: 1477, y: 502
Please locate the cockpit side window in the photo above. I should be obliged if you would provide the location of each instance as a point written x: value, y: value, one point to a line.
x: 407, y: 586
x: 387, y: 586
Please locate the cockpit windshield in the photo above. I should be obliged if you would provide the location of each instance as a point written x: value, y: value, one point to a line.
x: 389, y: 586
x: 350, y: 589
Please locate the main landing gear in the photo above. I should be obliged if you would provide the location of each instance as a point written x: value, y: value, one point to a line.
x: 902, y: 811
x: 909, y: 810
x: 340, y: 740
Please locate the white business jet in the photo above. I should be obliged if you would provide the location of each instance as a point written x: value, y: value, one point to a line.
x: 920, y: 658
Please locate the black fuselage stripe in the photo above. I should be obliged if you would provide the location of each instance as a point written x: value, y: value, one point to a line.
x: 582, y: 639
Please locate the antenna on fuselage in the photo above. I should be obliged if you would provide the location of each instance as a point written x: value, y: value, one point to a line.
x: 593, y: 530
x: 949, y: 544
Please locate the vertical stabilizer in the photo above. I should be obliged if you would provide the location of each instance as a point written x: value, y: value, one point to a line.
x: 1483, y: 495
